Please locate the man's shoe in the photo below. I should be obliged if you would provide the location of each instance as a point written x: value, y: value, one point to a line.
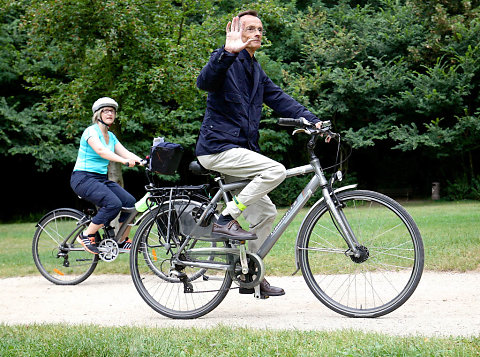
x: 266, y: 290
x: 231, y: 230
x: 88, y: 243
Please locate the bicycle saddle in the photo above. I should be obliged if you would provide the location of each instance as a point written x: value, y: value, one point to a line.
x: 196, y: 168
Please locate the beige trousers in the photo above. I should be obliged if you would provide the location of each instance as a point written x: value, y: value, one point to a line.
x: 265, y: 173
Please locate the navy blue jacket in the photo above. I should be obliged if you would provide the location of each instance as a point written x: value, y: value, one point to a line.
x: 234, y: 102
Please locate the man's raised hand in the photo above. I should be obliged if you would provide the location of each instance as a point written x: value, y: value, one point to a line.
x: 233, y: 41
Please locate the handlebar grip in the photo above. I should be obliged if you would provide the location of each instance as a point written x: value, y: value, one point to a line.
x: 291, y: 122
x: 142, y: 163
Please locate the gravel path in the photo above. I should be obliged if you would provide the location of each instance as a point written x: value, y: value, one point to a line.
x: 443, y: 304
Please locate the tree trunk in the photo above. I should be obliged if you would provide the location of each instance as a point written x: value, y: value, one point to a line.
x: 115, y: 172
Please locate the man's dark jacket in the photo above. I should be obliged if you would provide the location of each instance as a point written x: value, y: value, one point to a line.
x: 234, y: 102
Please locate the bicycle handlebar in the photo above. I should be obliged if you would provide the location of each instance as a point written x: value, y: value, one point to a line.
x: 141, y: 163
x: 298, y: 123
x: 310, y: 128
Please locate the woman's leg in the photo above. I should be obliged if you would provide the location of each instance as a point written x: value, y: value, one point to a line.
x: 127, y: 201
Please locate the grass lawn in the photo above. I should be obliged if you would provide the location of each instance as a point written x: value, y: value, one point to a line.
x: 450, y: 232
x: 59, y: 340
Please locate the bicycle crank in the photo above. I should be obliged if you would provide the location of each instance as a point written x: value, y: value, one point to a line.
x: 253, y: 276
x: 245, y: 268
x: 108, y: 250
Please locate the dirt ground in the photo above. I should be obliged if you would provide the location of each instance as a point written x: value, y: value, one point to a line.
x: 443, y: 304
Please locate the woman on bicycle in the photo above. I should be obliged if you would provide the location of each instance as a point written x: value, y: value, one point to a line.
x: 99, y: 146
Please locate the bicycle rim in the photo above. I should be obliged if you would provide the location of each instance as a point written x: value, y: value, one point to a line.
x: 150, y: 263
x: 387, y: 273
x: 62, y: 264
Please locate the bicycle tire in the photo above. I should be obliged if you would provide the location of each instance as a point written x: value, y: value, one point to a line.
x: 394, y: 255
x: 150, y: 262
x: 67, y: 264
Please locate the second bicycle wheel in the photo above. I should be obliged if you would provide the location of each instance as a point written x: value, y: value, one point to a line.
x: 56, y: 253
x: 386, y: 273
x: 175, y: 291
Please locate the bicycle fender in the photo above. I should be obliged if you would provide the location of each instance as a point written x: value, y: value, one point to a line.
x: 58, y: 209
x: 319, y: 202
x: 140, y: 219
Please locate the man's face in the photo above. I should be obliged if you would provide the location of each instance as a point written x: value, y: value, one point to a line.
x: 252, y: 28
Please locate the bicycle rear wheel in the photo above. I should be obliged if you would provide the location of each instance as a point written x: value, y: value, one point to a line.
x: 56, y: 253
x: 386, y: 274
x: 175, y: 291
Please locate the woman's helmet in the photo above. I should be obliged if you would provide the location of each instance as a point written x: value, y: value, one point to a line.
x: 104, y: 102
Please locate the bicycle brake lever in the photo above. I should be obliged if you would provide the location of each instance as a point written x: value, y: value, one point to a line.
x: 300, y: 131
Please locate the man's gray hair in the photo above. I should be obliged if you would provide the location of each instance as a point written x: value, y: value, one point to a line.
x: 248, y: 12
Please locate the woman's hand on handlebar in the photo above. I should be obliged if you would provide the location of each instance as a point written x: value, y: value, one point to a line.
x: 130, y: 162
x: 133, y: 162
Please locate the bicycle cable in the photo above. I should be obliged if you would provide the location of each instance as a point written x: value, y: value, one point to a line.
x: 337, y: 162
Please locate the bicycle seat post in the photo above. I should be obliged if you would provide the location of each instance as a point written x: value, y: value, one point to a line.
x: 109, y: 232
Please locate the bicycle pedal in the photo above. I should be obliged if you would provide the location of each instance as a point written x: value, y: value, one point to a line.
x: 245, y: 291
x: 257, y: 294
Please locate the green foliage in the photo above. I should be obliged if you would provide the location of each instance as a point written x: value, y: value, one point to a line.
x: 463, y: 189
x: 382, y: 73
x: 145, y: 55
x: 33, y: 126
x: 390, y: 74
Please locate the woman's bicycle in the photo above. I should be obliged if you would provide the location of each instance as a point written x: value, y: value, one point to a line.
x: 360, y: 252
x: 56, y: 252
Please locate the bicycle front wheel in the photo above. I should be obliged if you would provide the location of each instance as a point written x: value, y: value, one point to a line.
x: 389, y: 268
x: 56, y: 253
x: 173, y: 290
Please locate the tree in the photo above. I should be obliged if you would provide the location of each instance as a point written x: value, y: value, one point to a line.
x: 391, y: 76
x: 143, y: 54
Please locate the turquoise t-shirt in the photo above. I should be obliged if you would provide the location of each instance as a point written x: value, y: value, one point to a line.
x: 87, y: 158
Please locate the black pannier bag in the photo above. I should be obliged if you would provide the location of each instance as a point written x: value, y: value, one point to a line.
x: 165, y: 158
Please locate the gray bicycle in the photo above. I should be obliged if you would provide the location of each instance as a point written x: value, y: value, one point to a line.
x: 360, y: 252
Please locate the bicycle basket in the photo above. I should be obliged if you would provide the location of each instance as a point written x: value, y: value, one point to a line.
x: 165, y: 158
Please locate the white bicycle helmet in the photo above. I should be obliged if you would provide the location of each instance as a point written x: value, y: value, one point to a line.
x: 104, y: 102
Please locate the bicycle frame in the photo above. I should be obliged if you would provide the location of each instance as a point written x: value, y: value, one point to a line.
x: 318, y: 180
x: 131, y: 217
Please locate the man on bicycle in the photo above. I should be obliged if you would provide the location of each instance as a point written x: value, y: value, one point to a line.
x: 228, y: 141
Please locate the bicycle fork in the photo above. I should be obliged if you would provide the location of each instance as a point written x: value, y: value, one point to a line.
x: 343, y: 227
x: 335, y: 209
